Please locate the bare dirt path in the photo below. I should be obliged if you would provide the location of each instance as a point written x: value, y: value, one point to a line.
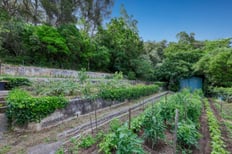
x: 204, y: 142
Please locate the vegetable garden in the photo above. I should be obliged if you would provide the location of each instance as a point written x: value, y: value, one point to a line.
x: 152, y: 130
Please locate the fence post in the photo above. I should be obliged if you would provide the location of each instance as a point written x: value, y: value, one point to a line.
x: 175, y: 133
x: 95, y: 113
x: 129, y: 118
x: 143, y: 105
x: 221, y: 107
x: 166, y: 98
x: 91, y: 124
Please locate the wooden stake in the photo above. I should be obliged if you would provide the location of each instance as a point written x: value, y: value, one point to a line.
x: 166, y: 98
x: 175, y: 133
x: 221, y: 106
x: 95, y: 113
x: 129, y: 118
x: 91, y: 124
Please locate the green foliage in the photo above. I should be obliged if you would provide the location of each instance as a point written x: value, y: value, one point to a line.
x: 118, y: 76
x: 56, y: 88
x: 131, y: 75
x: 82, y: 76
x: 16, y: 82
x: 124, y: 46
x: 60, y: 151
x: 137, y: 123
x: 51, y: 39
x: 120, y: 94
x: 187, y: 134
x: 153, y: 125
x: 143, y: 68
x: 87, y: 141
x: 217, y: 67
x: 122, y: 140
x: 23, y: 108
x: 5, y: 149
x: 177, y: 65
x: 218, y: 146
x: 189, y: 106
x: 224, y: 93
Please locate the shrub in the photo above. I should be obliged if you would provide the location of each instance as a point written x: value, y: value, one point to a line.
x: 16, y: 82
x: 23, y: 108
x: 87, y: 141
x: 120, y: 94
x: 131, y: 75
x: 121, y: 140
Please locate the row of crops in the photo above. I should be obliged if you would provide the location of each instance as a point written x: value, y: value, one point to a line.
x: 151, y: 126
x: 218, y: 145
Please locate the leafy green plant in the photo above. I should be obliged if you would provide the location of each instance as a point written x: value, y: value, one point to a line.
x: 23, y: 108
x: 56, y: 88
x: 218, y: 146
x: 118, y: 76
x: 187, y: 134
x: 122, y: 140
x: 189, y: 106
x: 137, y: 123
x: 60, y: 151
x: 82, y: 75
x: 87, y: 141
x: 153, y: 125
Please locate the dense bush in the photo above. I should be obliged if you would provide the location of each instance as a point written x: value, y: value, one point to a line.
x: 120, y: 94
x: 16, y: 82
x: 23, y: 108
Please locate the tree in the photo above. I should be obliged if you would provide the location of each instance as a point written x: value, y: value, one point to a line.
x: 155, y: 51
x: 58, y: 12
x: 131, y: 23
x: 185, y: 38
x: 176, y: 66
x: 12, y: 37
x: 90, y: 13
x: 125, y: 45
x: 217, y: 67
x: 46, y: 46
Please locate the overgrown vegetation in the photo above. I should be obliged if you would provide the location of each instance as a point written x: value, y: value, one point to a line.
x: 23, y: 108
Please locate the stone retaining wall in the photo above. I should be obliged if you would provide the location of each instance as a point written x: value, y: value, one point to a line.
x: 30, y: 71
x: 75, y: 108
